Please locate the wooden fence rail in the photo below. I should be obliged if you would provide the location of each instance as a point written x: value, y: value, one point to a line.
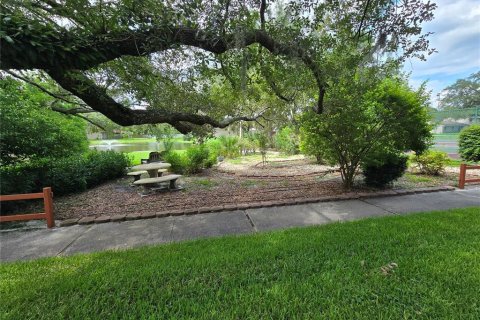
x: 47, y: 196
x: 463, y: 172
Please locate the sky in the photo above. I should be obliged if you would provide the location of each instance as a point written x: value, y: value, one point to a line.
x: 457, y: 40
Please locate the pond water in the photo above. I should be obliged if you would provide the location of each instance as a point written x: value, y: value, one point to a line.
x: 119, y: 146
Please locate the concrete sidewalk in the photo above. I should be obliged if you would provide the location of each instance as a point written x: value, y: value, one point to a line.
x: 20, y: 245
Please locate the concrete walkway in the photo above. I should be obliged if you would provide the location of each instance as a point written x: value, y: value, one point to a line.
x: 21, y: 245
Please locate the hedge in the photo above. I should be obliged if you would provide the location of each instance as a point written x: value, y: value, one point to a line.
x: 64, y: 175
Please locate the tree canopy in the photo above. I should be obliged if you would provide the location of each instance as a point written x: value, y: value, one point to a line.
x: 463, y: 94
x: 191, y: 63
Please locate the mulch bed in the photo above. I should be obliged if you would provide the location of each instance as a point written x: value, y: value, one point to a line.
x: 225, y: 185
x: 222, y: 189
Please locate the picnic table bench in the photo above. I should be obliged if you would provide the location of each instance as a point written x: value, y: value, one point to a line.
x: 149, y: 182
x: 136, y: 174
x: 153, y: 168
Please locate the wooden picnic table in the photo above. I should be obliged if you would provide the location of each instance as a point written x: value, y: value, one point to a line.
x: 152, y: 168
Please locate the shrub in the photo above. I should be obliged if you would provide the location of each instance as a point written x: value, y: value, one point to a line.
x: 286, y: 140
x: 214, y: 147
x: 383, y: 168
x: 193, y: 160
x: 247, y: 145
x: 104, y: 166
x: 432, y: 162
x: 469, y: 143
x: 364, y: 115
x: 19, y: 178
x: 197, y: 157
x: 230, y: 147
x: 178, y: 161
x: 64, y: 175
x: 311, y: 142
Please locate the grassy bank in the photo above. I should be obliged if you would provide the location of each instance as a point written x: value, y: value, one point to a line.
x: 446, y: 136
x: 133, y: 141
x: 137, y: 156
x: 423, y: 266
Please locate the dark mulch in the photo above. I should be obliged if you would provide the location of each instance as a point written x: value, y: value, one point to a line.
x: 216, y: 187
x: 211, y: 188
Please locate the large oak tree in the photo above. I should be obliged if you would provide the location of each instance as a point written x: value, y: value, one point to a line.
x: 171, y: 55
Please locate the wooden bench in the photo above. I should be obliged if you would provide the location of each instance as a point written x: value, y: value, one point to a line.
x: 136, y: 175
x: 149, y: 182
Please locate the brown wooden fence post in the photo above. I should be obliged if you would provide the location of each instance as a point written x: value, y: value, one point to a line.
x: 48, y: 202
x: 463, y: 173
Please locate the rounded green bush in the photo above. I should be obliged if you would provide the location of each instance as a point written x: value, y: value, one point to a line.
x: 469, y: 143
x: 382, y: 169
x: 432, y: 162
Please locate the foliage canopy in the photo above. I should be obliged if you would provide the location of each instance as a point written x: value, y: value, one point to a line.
x: 364, y: 117
x: 190, y: 63
x: 463, y: 94
x: 30, y: 130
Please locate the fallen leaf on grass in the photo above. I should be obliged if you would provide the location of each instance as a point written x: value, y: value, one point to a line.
x: 388, y: 268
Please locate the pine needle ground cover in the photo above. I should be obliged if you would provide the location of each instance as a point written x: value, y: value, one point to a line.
x: 421, y: 266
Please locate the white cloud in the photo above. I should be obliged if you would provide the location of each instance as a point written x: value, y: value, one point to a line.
x: 457, y: 39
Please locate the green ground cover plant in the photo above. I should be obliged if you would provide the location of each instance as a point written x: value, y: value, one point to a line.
x: 420, y: 266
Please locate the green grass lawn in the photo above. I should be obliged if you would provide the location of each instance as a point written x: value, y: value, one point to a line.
x: 446, y: 136
x: 431, y: 270
x: 137, y: 156
x: 124, y: 140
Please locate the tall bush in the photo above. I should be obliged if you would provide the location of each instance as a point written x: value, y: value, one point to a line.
x: 104, y: 166
x: 362, y: 117
x: 192, y: 161
x: 178, y: 161
x: 469, y: 143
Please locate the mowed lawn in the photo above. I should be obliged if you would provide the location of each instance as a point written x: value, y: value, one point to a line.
x: 431, y: 270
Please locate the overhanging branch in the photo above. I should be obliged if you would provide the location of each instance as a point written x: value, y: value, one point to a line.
x: 97, y: 98
x: 41, y: 88
x: 98, y: 49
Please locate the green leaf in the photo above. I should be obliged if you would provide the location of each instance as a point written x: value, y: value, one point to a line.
x: 8, y: 39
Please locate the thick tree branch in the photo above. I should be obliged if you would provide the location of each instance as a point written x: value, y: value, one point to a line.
x: 97, y: 98
x: 98, y: 49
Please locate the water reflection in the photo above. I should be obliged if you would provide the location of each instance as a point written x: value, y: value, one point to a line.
x: 118, y: 146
